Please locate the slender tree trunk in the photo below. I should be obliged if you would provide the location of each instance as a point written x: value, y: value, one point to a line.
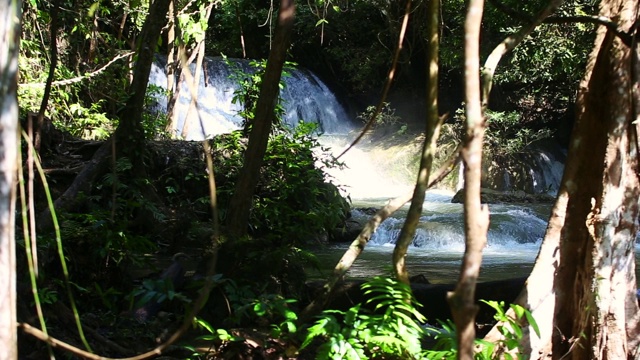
x: 476, y: 216
x: 10, y: 17
x: 240, y: 205
x: 36, y: 132
x: 193, y: 105
x: 173, y: 76
x: 596, y: 314
x: 130, y: 133
x: 429, y: 147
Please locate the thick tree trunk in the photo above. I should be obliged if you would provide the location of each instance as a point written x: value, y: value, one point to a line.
x: 596, y: 314
x: 10, y: 16
x: 241, y: 200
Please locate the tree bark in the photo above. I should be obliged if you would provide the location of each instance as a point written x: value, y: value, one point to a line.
x: 10, y: 17
x: 130, y: 133
x: 476, y: 216
x: 173, y: 72
x: 428, y: 149
x: 241, y: 201
x: 596, y: 314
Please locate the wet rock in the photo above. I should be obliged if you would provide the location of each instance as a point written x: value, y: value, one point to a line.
x: 488, y: 196
x: 346, y: 233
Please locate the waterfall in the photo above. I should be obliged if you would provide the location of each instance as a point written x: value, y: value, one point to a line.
x: 305, y: 97
x: 549, y: 172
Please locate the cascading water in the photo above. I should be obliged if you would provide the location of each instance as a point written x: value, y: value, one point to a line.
x: 514, y: 237
x: 549, y: 175
x: 305, y: 97
x: 515, y: 231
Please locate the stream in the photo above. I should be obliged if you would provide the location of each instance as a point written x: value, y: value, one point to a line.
x: 371, y: 179
x: 513, y: 241
x: 514, y: 238
x: 373, y: 175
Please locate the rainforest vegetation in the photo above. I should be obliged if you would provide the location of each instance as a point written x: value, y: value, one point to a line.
x: 120, y: 238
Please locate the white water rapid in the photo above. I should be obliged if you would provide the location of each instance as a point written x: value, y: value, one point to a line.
x: 372, y: 177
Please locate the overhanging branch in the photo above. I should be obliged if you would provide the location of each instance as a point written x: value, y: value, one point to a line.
x: 591, y: 19
x: 612, y: 26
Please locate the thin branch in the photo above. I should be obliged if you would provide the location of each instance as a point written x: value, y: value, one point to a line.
x: 509, y: 44
x: 593, y: 19
x: 626, y: 37
x: 35, y: 133
x: 387, y: 85
x: 205, y: 14
x: 83, y: 77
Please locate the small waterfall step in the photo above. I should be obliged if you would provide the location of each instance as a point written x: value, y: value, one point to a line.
x: 305, y: 98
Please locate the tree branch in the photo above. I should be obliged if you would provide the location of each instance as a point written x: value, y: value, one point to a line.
x: 592, y: 19
x: 432, y: 132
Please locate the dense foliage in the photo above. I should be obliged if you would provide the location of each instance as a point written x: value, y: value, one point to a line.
x: 350, y: 43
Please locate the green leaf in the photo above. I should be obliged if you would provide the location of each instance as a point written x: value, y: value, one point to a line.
x: 532, y: 322
x: 92, y: 9
x: 204, y: 324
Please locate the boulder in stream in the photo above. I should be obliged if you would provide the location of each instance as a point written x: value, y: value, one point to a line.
x: 488, y: 196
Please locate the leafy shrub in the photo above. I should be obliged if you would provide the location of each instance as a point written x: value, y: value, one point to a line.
x: 294, y: 200
x: 248, y: 92
x: 392, y: 329
x: 511, y: 330
x: 506, y: 135
x: 386, y: 116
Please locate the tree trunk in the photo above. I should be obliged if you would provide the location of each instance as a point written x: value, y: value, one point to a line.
x: 596, y: 314
x: 130, y: 133
x: 173, y: 74
x: 36, y: 132
x: 428, y: 148
x: 476, y: 216
x: 240, y: 205
x: 10, y: 16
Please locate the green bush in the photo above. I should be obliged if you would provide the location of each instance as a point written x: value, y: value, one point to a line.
x: 506, y: 134
x: 393, y: 329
